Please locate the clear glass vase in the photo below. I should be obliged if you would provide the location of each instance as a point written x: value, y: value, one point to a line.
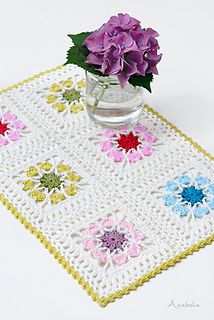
x: 109, y: 104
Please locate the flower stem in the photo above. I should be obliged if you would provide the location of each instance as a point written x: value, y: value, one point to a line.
x: 98, y: 98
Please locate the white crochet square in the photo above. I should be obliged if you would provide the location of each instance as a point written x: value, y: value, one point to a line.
x: 17, y: 130
x: 57, y: 116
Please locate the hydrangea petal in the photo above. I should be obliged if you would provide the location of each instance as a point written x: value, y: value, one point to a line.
x: 180, y: 210
x: 201, y: 211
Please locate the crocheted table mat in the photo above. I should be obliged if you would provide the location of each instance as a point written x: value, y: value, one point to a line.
x: 114, y: 207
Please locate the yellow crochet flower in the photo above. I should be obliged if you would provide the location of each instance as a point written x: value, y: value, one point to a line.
x: 55, y: 87
x: 45, y: 166
x: 59, y: 106
x: 63, y: 167
x: 57, y: 197
x: 51, y: 98
x: 67, y: 95
x: 76, y: 108
x: 38, y: 195
x: 73, y: 176
x: 28, y: 185
x: 71, y: 189
x: 81, y: 84
x: 50, y: 182
x: 67, y: 83
x: 31, y: 172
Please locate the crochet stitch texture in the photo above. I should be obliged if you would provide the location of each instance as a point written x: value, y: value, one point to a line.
x: 123, y: 203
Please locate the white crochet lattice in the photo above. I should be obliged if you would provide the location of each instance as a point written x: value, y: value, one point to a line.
x: 115, y: 203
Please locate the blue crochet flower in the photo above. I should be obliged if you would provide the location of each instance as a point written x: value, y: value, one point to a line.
x: 190, y: 196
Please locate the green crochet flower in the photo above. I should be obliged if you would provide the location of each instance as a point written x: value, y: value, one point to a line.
x: 50, y: 181
x: 71, y: 95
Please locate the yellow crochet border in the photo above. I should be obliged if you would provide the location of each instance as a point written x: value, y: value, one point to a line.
x: 112, y: 297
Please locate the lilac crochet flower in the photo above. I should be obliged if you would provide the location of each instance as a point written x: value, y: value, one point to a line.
x: 113, y: 242
x: 121, y: 47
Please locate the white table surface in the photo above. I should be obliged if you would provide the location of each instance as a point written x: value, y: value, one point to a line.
x: 33, y: 39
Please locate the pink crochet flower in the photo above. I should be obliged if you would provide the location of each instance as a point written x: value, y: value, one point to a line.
x: 133, y: 144
x: 10, y: 128
x: 113, y: 242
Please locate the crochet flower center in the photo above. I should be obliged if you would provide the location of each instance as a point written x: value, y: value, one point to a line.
x: 192, y: 195
x: 128, y: 141
x: 3, y: 128
x: 50, y: 181
x: 113, y: 240
x: 71, y: 95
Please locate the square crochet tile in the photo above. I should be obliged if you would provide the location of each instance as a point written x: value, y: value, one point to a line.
x: 114, y: 207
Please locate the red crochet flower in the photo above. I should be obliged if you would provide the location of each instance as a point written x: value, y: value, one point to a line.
x: 133, y: 144
x: 128, y: 141
x: 3, y: 128
x: 10, y: 128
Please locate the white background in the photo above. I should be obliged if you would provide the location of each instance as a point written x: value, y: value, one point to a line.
x: 33, y: 39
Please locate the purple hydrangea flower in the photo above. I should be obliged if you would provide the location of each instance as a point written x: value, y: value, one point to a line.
x: 121, y: 47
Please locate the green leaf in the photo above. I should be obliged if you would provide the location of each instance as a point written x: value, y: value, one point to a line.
x: 78, y: 53
x: 78, y: 57
x: 79, y: 38
x: 142, y: 81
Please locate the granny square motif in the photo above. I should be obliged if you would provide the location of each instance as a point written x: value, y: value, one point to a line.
x: 114, y: 206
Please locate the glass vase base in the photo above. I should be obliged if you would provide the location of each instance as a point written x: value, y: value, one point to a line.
x: 114, y: 118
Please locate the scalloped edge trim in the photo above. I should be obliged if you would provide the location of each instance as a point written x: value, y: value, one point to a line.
x: 61, y: 259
